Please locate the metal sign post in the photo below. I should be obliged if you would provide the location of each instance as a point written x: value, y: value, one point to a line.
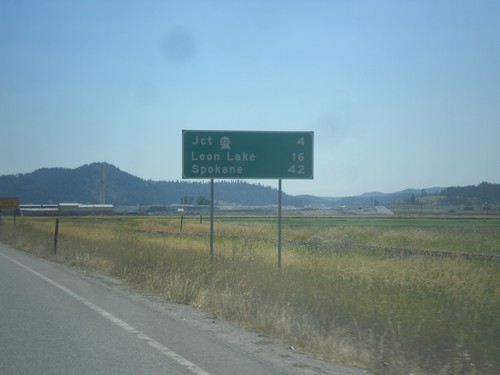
x: 226, y: 154
x: 211, y: 218
x: 279, y: 223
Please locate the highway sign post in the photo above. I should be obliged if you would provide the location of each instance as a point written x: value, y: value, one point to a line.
x: 221, y: 154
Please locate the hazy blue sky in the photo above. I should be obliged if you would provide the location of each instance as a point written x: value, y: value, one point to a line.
x: 399, y: 93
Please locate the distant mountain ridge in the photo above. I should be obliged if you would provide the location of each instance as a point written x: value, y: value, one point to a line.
x: 378, y: 198
x: 409, y: 192
x: 82, y: 185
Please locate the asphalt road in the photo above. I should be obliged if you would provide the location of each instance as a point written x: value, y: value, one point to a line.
x: 58, y: 320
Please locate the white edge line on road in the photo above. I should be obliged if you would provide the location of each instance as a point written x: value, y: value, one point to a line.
x: 118, y: 322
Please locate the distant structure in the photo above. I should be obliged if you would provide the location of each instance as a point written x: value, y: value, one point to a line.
x: 70, y: 209
x: 102, y: 190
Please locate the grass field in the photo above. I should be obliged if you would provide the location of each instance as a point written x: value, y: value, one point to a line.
x: 337, y: 296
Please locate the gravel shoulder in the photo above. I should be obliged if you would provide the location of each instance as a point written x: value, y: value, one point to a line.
x: 285, y: 358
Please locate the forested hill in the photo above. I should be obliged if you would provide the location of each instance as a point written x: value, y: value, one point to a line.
x: 81, y: 185
x: 55, y: 185
x: 484, y: 193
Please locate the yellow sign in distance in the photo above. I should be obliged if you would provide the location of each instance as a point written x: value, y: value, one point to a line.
x: 9, y: 203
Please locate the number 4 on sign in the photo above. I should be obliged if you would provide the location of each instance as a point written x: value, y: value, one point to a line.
x: 301, y: 141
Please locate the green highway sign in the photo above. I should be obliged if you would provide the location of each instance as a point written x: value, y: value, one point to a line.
x: 223, y: 154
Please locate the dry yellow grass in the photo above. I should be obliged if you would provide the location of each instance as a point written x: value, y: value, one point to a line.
x: 333, y: 298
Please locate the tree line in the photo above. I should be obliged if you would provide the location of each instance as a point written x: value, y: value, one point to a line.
x: 485, y: 193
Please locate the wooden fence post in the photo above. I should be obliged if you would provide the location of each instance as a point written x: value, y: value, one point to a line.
x: 56, y: 235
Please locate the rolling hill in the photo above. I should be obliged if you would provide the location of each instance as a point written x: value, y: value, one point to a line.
x: 82, y: 184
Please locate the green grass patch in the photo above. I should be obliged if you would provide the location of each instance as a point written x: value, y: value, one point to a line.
x: 434, y: 222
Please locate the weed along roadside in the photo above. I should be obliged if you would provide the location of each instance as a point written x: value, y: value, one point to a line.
x: 335, y: 297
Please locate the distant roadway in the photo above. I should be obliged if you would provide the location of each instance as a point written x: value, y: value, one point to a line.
x: 58, y: 320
